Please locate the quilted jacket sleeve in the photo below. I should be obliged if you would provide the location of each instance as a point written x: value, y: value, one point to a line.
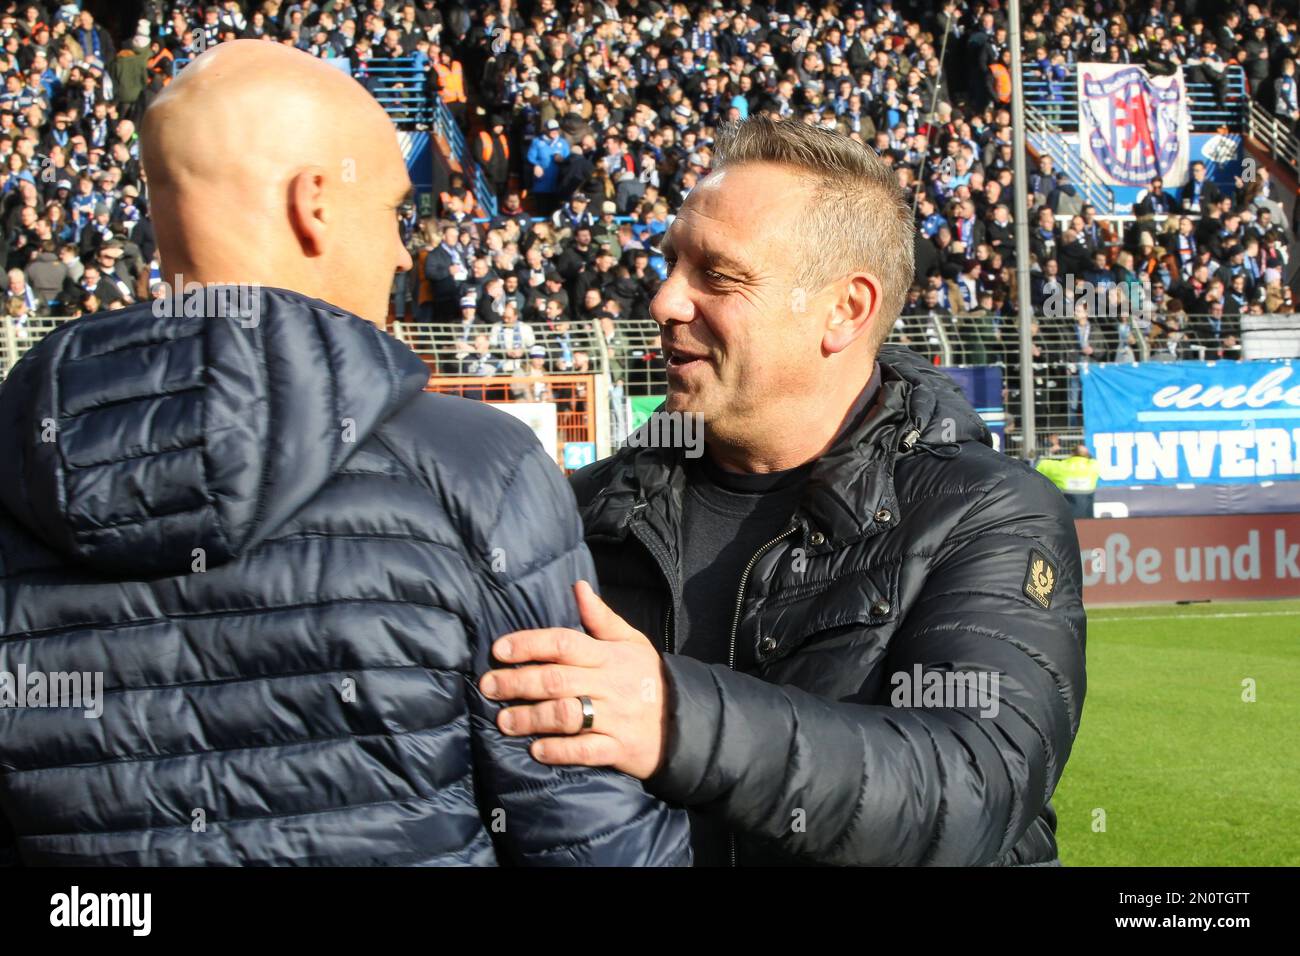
x: 879, y: 785
x: 540, y: 815
x: 8, y: 852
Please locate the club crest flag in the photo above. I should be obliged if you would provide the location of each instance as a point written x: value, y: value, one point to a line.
x: 1133, y: 127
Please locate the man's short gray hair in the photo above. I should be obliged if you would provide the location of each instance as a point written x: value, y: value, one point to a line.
x: 858, y: 218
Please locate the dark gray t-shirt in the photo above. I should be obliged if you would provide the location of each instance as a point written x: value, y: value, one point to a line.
x: 727, y: 518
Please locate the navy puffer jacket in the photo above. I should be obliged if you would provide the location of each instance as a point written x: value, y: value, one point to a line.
x: 288, y: 563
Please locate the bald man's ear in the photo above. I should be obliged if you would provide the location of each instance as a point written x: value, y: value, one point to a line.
x: 853, y: 312
x: 309, y: 214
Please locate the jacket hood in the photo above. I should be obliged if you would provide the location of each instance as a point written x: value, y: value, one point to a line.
x: 938, y: 407
x: 130, y: 439
x: 919, y: 407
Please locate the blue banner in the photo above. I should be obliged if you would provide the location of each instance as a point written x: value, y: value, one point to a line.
x: 1193, y: 422
x: 982, y: 386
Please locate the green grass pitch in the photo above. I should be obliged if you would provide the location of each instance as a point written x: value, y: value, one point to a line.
x: 1186, y: 772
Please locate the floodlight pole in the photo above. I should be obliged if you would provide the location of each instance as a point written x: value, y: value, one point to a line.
x: 1024, y: 304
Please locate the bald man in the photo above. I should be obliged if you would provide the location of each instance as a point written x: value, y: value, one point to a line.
x: 251, y: 571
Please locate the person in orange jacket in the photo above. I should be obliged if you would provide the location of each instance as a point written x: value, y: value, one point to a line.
x: 451, y: 83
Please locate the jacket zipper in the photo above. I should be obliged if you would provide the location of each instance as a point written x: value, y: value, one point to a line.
x: 735, y: 626
x: 660, y: 559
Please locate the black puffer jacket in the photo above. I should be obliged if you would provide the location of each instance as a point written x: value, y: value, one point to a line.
x: 915, y: 544
x: 288, y: 562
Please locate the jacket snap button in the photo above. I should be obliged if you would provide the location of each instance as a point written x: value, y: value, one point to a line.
x: 879, y: 608
x: 884, y: 516
x: 817, y: 538
x: 768, y: 645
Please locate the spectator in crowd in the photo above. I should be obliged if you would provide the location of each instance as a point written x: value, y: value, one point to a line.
x: 511, y: 338
x: 129, y: 72
x: 1089, y: 344
x: 1217, y: 333
x: 480, y: 362
x: 545, y: 156
x: 492, y: 153
x: 1200, y: 193
x: 1154, y: 201
x: 445, y: 269
x: 1286, y: 94
x: 572, y: 215
x: 47, y: 277
x: 529, y: 381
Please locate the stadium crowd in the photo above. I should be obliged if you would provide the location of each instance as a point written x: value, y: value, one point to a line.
x: 592, y: 121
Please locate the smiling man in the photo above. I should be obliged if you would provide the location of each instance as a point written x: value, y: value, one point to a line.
x: 820, y: 587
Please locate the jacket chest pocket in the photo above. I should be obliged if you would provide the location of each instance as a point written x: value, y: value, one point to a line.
x: 833, y: 632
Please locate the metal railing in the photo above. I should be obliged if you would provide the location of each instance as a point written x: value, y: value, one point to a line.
x: 1275, y: 135
x: 580, y: 405
x: 971, y: 340
x: 402, y: 89
x: 446, y: 126
x: 17, y: 337
x: 1270, y: 336
x: 929, y: 335
x: 452, y: 349
x: 1045, y: 137
x: 633, y: 362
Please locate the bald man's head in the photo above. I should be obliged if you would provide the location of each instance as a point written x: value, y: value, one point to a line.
x: 268, y: 166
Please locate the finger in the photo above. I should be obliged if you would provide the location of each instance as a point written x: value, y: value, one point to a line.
x: 563, y: 716
x: 599, y: 618
x: 542, y: 682
x: 584, y: 750
x: 558, y: 645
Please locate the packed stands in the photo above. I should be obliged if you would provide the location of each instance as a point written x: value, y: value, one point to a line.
x: 565, y: 135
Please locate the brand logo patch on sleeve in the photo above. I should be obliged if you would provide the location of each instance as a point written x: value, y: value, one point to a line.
x: 1040, y: 579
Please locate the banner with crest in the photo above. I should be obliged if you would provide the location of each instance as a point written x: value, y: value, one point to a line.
x: 1132, y: 126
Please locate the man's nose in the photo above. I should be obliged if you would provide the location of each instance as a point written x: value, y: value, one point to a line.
x: 672, y: 302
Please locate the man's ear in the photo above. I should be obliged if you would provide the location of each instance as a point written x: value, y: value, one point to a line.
x: 853, y: 312
x: 309, y: 214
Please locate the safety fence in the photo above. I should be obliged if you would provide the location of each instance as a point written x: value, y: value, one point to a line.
x: 596, y: 381
x: 632, y: 360
x: 1275, y: 134
x: 402, y: 88
x: 17, y: 336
